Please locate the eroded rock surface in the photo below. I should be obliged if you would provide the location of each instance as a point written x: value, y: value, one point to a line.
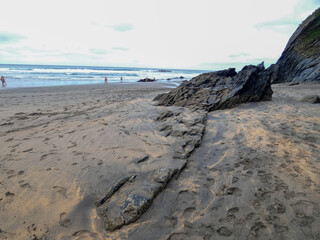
x: 221, y: 89
x: 311, y: 99
x: 126, y: 200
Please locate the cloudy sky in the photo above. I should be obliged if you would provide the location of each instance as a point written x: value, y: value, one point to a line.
x: 196, y: 34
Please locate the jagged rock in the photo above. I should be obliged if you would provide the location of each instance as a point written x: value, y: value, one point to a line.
x: 178, y: 130
x: 137, y: 201
x: 134, y: 206
x: 147, y: 80
x: 311, y: 99
x: 162, y: 175
x: 181, y: 77
x: 165, y: 128
x: 222, y: 89
x: 300, y: 60
x: 143, y: 159
x: 124, y: 205
x: 294, y: 83
x: 114, y: 188
x: 164, y: 115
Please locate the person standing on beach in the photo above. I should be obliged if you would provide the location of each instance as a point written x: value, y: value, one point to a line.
x: 3, y: 81
x: 121, y: 79
x: 105, y: 80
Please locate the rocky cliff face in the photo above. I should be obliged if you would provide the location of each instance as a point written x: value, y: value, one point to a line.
x: 300, y: 60
x: 221, y: 89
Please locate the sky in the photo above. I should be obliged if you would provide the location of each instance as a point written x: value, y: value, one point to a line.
x: 187, y: 34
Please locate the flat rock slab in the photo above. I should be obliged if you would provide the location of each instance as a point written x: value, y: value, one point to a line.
x: 127, y: 199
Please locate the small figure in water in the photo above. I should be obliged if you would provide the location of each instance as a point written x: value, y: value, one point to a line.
x: 3, y: 81
x: 105, y: 80
x: 121, y: 79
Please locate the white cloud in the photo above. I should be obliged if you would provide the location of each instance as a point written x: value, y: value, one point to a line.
x: 175, y: 33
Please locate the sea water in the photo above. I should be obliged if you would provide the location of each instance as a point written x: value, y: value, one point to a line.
x: 18, y: 76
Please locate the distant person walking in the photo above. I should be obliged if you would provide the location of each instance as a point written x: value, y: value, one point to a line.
x: 105, y: 80
x: 3, y: 81
x: 121, y: 79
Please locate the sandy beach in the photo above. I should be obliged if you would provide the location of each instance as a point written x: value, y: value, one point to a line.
x: 254, y: 176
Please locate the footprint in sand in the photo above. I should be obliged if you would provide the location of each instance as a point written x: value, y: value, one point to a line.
x: 9, y: 197
x: 23, y: 184
x: 85, y: 234
x: 73, y: 144
x: 224, y: 231
x: 61, y: 190
x: 177, y: 236
x: 64, y: 221
x: 184, y: 204
x: 28, y: 150
x: 10, y: 172
x: 225, y: 191
x: 188, y: 213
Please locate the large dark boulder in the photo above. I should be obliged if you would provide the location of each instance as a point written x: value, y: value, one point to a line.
x: 300, y: 60
x: 147, y: 80
x: 221, y: 89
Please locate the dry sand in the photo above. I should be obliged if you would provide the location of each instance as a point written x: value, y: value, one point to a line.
x: 254, y: 176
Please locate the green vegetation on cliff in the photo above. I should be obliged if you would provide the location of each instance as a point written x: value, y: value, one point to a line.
x: 309, y: 42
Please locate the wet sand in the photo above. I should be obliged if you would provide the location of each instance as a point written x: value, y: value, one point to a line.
x: 254, y: 176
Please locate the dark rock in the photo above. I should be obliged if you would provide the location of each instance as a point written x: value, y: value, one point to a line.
x: 181, y: 77
x: 147, y: 80
x: 134, y: 206
x: 164, y: 70
x: 231, y: 72
x: 294, y: 83
x: 131, y: 201
x: 143, y: 159
x: 162, y: 175
x: 165, y: 128
x: 300, y: 60
x: 222, y: 89
x: 164, y: 115
x: 224, y: 231
x: 311, y: 99
x: 113, y: 189
x: 137, y: 201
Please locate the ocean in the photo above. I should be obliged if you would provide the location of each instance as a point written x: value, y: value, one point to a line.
x: 20, y: 76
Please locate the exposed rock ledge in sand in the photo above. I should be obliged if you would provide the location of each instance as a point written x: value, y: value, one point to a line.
x: 135, y: 193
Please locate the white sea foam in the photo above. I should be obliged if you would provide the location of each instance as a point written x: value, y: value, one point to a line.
x: 38, y: 75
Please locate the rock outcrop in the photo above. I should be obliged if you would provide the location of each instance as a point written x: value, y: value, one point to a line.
x: 147, y: 80
x: 128, y: 198
x: 300, y: 60
x: 221, y: 89
x: 311, y: 99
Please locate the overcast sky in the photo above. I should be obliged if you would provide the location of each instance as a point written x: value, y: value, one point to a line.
x: 196, y: 34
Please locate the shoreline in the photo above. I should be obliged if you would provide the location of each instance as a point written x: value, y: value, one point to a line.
x: 161, y: 84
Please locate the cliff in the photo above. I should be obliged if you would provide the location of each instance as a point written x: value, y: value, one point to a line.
x: 300, y: 60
